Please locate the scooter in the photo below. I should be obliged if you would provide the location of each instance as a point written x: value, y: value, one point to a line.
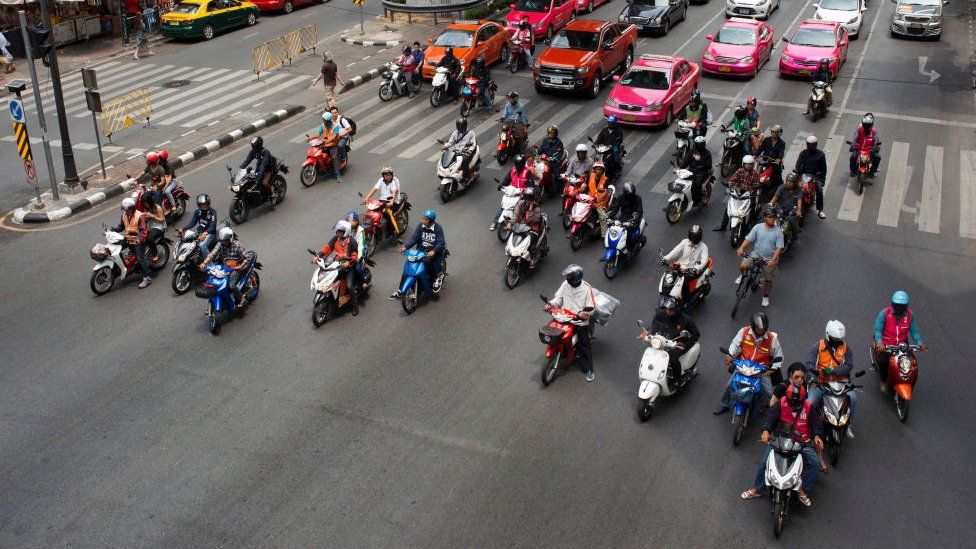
x: 248, y: 192
x: 179, y: 195
x: 863, y: 167
x: 818, y: 100
x: 115, y: 262
x: 510, y: 142
x: 680, y: 200
x: 653, y: 370
x: 902, y: 374
x: 745, y: 388
x: 415, y: 274
x: 519, y: 257
x: 471, y: 95
x: 809, y: 187
x: 220, y: 302
x: 383, y: 221
x: 739, y: 209
x: 682, y: 142
x: 186, y: 270
x: 440, y: 85
x: 784, y: 471
x: 584, y: 221
x: 450, y: 171
x: 395, y: 83
x: 561, y: 337
x: 331, y: 292
x: 617, y: 254
x: 790, y: 236
x: 546, y: 170
x: 516, y: 56
x: 673, y: 280
x: 511, y: 196
x: 835, y: 409
x: 318, y: 160
x: 732, y: 151
x: 605, y: 154
x: 765, y: 168
x: 572, y: 186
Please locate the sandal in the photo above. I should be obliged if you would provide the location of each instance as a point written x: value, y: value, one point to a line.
x: 751, y: 493
x: 805, y: 500
x: 824, y: 469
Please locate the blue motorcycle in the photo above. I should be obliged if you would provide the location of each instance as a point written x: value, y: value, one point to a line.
x: 617, y: 252
x: 218, y: 292
x: 415, y: 275
x: 745, y: 386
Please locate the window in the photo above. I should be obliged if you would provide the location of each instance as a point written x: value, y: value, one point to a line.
x: 764, y: 33
x: 483, y: 34
x: 455, y: 37
x: 186, y: 8
x: 575, y: 40
x: 736, y: 36
x: 610, y: 34
x: 646, y: 78
x: 213, y: 6
x: 490, y: 30
x: 537, y: 6
x: 685, y: 70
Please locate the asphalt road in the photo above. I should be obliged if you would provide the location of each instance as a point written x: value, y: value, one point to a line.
x: 124, y: 423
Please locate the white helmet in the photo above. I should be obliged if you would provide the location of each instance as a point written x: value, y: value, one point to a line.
x: 812, y: 139
x: 343, y: 226
x: 582, y: 148
x: 128, y: 203
x: 226, y: 233
x: 748, y: 159
x: 835, y: 330
x: 327, y: 116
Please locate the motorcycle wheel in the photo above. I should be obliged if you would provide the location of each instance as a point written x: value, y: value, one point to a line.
x: 386, y: 91
x: 549, y: 369
x: 281, y: 187
x: 611, y: 268
x: 503, y: 233
x: 465, y: 108
x: 901, y: 408
x: 740, y: 292
x: 162, y: 250
x: 738, y: 426
x: 403, y: 222
x: 779, y: 517
x: 179, y: 209
x: 436, y: 97
x: 252, y: 286
x: 673, y: 212
x: 736, y: 236
x: 576, y: 241
x: 706, y: 193
x: 214, y: 322
x: 309, y: 174
x: 645, y: 411
x: 502, y: 158
x: 102, y: 281
x: 323, y: 311
x: 833, y: 453
x: 513, y: 275
x: 239, y: 211
x: 514, y: 63
x: 860, y: 182
x: 567, y: 221
x: 182, y: 280
x: 409, y: 300
x: 726, y: 167
x: 445, y: 192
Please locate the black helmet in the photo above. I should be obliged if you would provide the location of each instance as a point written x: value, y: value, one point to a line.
x: 406, y: 50
x: 668, y: 303
x: 554, y: 129
x: 629, y: 189
x: 695, y: 234
x: 700, y: 143
x: 759, y: 323
x: 203, y: 199
x: 449, y: 51
x: 795, y: 395
x: 740, y: 112
x: 792, y: 176
x: 461, y: 124
x: 519, y: 161
x: 868, y: 121
x: 573, y: 274
x: 480, y: 61
x: 825, y: 62
x: 695, y: 96
x: 257, y: 143
x: 768, y: 210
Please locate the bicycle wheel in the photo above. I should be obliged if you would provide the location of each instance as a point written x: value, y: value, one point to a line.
x: 741, y: 291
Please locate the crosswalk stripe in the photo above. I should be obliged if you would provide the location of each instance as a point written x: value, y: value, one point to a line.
x: 561, y: 116
x: 247, y: 100
x: 793, y: 151
x: 362, y: 107
x: 74, y: 81
x: 426, y: 140
x: 578, y: 128
x: 202, y: 102
x: 896, y: 182
x: 929, y: 211
x: 81, y: 111
x: 490, y: 126
x: 166, y: 97
x: 120, y: 87
x: 967, y: 194
x: 394, y: 122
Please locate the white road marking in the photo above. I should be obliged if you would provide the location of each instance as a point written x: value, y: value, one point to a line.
x: 850, y: 206
x: 120, y: 87
x: 258, y: 104
x: 929, y: 212
x: 84, y: 146
x: 181, y: 98
x: 250, y: 35
x: 250, y: 96
x: 896, y: 181
x: 187, y: 133
x: 164, y: 143
x: 219, y: 98
x: 967, y: 194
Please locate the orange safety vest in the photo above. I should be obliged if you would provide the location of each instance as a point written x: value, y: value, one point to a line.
x: 600, y: 198
x: 756, y: 350
x: 131, y: 227
x: 826, y: 359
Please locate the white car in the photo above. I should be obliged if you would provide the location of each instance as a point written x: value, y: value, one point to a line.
x: 760, y: 9
x: 846, y: 12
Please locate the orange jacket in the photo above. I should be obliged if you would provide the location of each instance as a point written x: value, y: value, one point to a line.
x: 598, y: 190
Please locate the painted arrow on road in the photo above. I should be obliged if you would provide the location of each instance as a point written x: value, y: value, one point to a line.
x: 922, y: 61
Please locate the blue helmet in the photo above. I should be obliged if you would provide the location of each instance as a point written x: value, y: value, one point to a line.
x: 352, y: 214
x: 612, y: 119
x: 430, y: 214
x: 899, y: 298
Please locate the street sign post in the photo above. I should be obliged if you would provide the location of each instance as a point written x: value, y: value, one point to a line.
x: 49, y: 160
x: 17, y: 119
x: 94, y: 100
x: 362, y: 23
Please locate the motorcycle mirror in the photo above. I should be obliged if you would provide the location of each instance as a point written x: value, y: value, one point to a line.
x: 859, y: 374
x: 311, y: 251
x: 228, y: 169
x: 590, y: 139
x: 544, y: 298
x: 724, y: 351
x: 640, y: 324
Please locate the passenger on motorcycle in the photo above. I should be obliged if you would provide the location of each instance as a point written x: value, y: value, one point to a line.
x: 346, y: 249
x: 813, y: 161
x: 527, y: 37
x: 346, y: 131
x: 520, y: 176
x: 630, y: 212
x: 755, y: 122
x: 789, y: 196
x: 465, y: 139
x: 331, y: 134
x: 670, y: 321
x: 575, y: 295
x: 157, y: 176
x: 830, y: 360
x: 744, y: 179
x: 598, y: 188
x: 866, y: 137
x: 822, y: 74
x: 581, y: 164
x: 766, y: 240
x: 612, y: 135
x: 204, y: 223
x: 552, y: 147
x: 480, y: 71
x: 428, y: 237
x: 514, y: 114
x: 699, y: 163
x: 418, y: 56
x: 155, y: 220
x: 454, y: 70
x: 755, y: 342
x: 407, y: 63
x: 771, y: 150
x: 893, y: 326
x: 529, y: 212
x: 265, y: 165
x: 230, y: 251
x: 697, y: 111
x: 690, y: 253
x: 133, y: 227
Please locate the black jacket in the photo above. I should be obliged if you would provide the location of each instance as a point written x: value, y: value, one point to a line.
x: 702, y: 166
x: 610, y: 136
x: 265, y: 161
x: 451, y: 64
x: 770, y: 149
x: 671, y: 327
x: 821, y: 75
x: 812, y: 161
x: 631, y: 208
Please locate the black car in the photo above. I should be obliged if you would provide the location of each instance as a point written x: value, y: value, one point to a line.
x: 655, y: 16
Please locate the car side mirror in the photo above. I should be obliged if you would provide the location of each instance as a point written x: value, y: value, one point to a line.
x: 430, y: 40
x: 815, y: 6
x: 709, y: 37
x: 511, y: 6
x: 608, y: 46
x: 616, y: 78
x: 785, y: 39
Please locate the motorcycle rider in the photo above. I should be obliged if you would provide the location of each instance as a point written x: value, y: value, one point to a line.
x: 529, y: 212
x: 788, y: 196
x: 700, y: 165
x: 755, y: 342
x: 830, y: 360
x: 204, y: 223
x: 893, y: 326
x: 670, y: 321
x: 347, y: 253
x: 345, y: 133
x: 822, y: 74
x: 697, y: 111
x: 428, y: 237
x: 155, y: 221
x: 465, y: 140
x: 481, y: 71
x: 612, y: 135
x: 813, y: 161
x: 157, y: 176
x: 134, y: 228
x: 771, y: 150
x: 513, y: 113
x: 230, y: 251
x: 407, y: 63
x: 418, y: 56
x: 767, y: 241
x: 358, y: 233
x: 331, y: 135
x: 454, y: 70
x: 169, y: 181
x: 598, y: 187
x: 265, y: 165
x: 553, y: 148
x: 581, y: 164
x: 690, y: 253
x: 744, y: 179
x: 520, y: 176
x: 526, y: 36
x: 755, y: 122
x: 865, y: 136
x: 630, y: 213
x: 740, y: 123
x: 576, y: 296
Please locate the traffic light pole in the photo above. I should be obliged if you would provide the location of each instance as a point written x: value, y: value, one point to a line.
x: 67, y: 155
x: 51, y: 174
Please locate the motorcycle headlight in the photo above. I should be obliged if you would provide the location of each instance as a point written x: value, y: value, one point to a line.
x: 182, y: 257
x: 611, y: 103
x: 904, y: 365
x: 466, y: 91
x: 846, y: 416
x: 235, y: 187
x: 669, y: 278
x: 830, y: 417
x: 653, y: 107
x: 583, y: 70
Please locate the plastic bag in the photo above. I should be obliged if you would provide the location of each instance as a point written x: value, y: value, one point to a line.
x: 606, y: 304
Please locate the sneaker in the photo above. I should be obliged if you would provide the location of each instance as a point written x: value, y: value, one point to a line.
x: 806, y: 112
x: 395, y: 295
x: 720, y: 409
x: 765, y: 301
x: 491, y: 227
x: 850, y: 431
x: 883, y: 387
x: 718, y: 229
x: 821, y: 215
x: 590, y: 376
x: 146, y: 281
x: 738, y: 280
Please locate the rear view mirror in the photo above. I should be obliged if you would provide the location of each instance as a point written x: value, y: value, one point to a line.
x: 616, y: 78
x: 710, y: 37
x: 785, y: 39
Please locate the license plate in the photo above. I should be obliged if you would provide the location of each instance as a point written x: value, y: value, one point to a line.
x: 915, y: 26
x: 556, y: 80
x: 725, y: 69
x: 805, y: 71
x: 628, y: 117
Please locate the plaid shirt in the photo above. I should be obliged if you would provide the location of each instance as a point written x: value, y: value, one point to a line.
x: 228, y: 252
x: 744, y: 179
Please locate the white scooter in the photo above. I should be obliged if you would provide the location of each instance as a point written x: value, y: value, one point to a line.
x: 784, y: 474
x: 450, y: 171
x: 739, y: 209
x: 510, y: 198
x: 518, y: 257
x: 653, y: 370
x: 439, y: 84
x: 115, y: 261
x: 680, y: 200
x: 672, y: 282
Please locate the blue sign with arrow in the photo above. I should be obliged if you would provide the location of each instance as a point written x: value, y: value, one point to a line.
x: 16, y: 111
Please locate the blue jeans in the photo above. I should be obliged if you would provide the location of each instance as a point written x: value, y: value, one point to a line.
x: 343, y: 143
x: 815, y: 394
x: 206, y: 244
x: 811, y: 464
x: 485, y: 98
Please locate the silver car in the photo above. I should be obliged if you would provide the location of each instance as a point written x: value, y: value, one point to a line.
x: 917, y: 18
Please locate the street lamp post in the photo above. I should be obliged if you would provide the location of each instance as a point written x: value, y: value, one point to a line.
x: 67, y: 155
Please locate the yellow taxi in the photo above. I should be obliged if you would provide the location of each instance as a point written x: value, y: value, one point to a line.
x: 470, y: 40
x: 205, y: 18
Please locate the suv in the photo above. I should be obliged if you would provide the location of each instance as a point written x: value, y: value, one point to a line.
x: 584, y: 54
x: 917, y: 18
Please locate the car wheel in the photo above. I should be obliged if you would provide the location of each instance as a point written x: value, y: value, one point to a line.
x: 684, y: 13
x: 287, y: 7
x: 628, y: 61
x: 208, y: 32
x: 503, y: 53
x: 251, y: 19
x: 665, y: 27
x: 670, y: 117
x: 595, y: 87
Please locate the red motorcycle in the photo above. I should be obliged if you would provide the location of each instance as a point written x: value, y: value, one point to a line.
x: 381, y: 222
x: 766, y: 168
x: 560, y: 339
x: 809, y: 187
x: 863, y: 164
x: 546, y: 170
x: 572, y: 185
x: 317, y: 160
x: 584, y: 221
x: 471, y: 94
x: 517, y: 57
x: 510, y: 142
x: 179, y: 195
x: 902, y: 374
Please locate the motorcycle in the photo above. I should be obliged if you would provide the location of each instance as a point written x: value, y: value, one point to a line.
x: 862, y: 167
x: 248, y: 192
x: 732, y: 151
x: 653, y: 369
x: 510, y: 198
x: 395, y: 83
x: 318, y: 160
x: 902, y: 374
x: 383, y: 220
x: 784, y: 471
x: 605, y: 154
x: 835, y: 409
x: 584, y: 221
x: 617, y: 253
x: 673, y: 281
x: 189, y: 255
x: 331, y: 292
x: 450, y: 171
x: 683, y: 136
x: 739, y: 209
x: 516, y: 56
x: 745, y: 389
x: 790, y: 235
x: 765, y: 167
x: 216, y: 290
x: 114, y: 261
x: 179, y: 195
x: 519, y: 257
x: 510, y: 142
x: 471, y: 95
x: 440, y: 86
x: 561, y: 338
x: 415, y: 274
x: 546, y: 169
x: 572, y: 186
x: 809, y: 187
x: 818, y: 100
x: 680, y: 200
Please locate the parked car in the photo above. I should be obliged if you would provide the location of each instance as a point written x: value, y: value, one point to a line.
x: 545, y: 16
x: 760, y: 9
x: 587, y: 6
x: 812, y: 41
x: 284, y: 6
x: 657, y: 16
x: 846, y: 12
x: 653, y: 90
x: 205, y: 18
x: 739, y: 47
x: 917, y: 18
x: 583, y: 55
x: 470, y: 40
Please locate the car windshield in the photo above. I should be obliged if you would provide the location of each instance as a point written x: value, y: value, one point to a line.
x: 922, y: 2
x: 841, y: 5
x: 649, y: 79
x: 736, y: 36
x: 540, y: 6
x: 186, y: 8
x: 576, y: 40
x: 814, y: 37
x: 456, y: 38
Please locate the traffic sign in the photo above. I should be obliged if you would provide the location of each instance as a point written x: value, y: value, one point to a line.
x: 29, y: 170
x: 22, y: 140
x: 16, y: 109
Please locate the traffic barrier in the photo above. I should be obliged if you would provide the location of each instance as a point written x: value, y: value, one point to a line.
x: 123, y: 111
x: 283, y: 49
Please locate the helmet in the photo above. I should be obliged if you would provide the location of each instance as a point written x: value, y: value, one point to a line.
x: 611, y: 120
x: 513, y: 95
x: 792, y: 176
x: 461, y: 124
x: 668, y: 303
x: 128, y: 203
x: 752, y: 101
x: 700, y: 141
x: 695, y: 96
x: 899, y: 298
x: 386, y: 170
x: 343, y: 226
x: 351, y: 214
x: 599, y: 164
x: 327, y: 116
x: 430, y: 214
x: 529, y: 193
x: 740, y: 112
x: 226, y: 233
x: 629, y: 189
x: 203, y: 199
x: 759, y: 323
x: 164, y: 154
x: 573, y: 274
x: 258, y: 142
x: 795, y: 395
x: 519, y: 161
x: 695, y: 234
x: 811, y: 140
x: 554, y: 129
x: 776, y: 128
x: 406, y: 50
x: 825, y: 61
x: 748, y: 159
x: 768, y: 210
x: 582, y: 148
x: 449, y: 51
x: 867, y: 121
x: 152, y: 157
x: 835, y: 332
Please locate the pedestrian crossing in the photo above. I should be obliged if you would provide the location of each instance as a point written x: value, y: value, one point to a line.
x: 206, y: 94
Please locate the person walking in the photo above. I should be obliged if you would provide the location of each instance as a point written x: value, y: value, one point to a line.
x: 142, y: 38
x: 329, y: 75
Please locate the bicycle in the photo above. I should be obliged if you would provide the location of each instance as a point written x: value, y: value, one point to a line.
x: 750, y: 280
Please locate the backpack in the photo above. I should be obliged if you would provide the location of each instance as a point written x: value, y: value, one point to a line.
x: 352, y: 126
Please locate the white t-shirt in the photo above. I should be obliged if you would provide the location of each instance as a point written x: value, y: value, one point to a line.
x: 385, y: 189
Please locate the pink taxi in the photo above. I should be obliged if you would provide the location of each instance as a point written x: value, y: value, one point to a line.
x: 739, y: 49
x: 814, y: 40
x: 545, y: 16
x: 653, y: 90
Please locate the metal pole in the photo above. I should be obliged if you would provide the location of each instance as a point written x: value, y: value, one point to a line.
x: 37, y: 190
x: 40, y: 108
x: 98, y: 141
x: 67, y: 155
x: 362, y: 23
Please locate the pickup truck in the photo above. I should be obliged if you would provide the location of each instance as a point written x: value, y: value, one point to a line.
x: 583, y: 55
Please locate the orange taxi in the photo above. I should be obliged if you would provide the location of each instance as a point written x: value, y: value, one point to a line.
x: 470, y: 40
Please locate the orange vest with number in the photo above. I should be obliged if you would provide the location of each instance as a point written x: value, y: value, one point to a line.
x: 826, y: 359
x: 759, y: 351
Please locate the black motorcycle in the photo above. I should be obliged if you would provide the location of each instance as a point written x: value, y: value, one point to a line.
x: 835, y: 409
x: 605, y: 153
x: 248, y: 192
x: 732, y: 151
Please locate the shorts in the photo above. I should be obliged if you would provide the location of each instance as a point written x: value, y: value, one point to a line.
x: 768, y: 271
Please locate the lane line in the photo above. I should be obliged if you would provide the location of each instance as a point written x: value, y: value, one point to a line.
x: 850, y: 206
x: 967, y: 194
x: 295, y: 81
x: 896, y: 182
x: 214, y: 98
x: 930, y: 209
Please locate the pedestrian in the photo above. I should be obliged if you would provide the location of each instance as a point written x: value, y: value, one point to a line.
x: 6, y: 59
x: 142, y: 40
x: 329, y: 75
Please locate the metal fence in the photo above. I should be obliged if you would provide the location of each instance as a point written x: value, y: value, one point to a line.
x: 283, y: 49
x: 123, y: 111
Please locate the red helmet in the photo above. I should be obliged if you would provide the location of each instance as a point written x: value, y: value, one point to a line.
x: 752, y: 101
x: 152, y: 157
x: 164, y: 154
x: 796, y: 394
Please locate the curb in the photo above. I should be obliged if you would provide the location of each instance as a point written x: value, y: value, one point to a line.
x: 360, y: 42
x: 23, y: 215
x: 361, y: 79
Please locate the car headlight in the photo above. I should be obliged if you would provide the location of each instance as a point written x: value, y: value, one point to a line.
x: 583, y: 70
x: 538, y: 66
x: 899, y: 17
x: 817, y: 15
x: 748, y: 59
x: 762, y: 2
x: 611, y: 103
x: 538, y: 25
x: 785, y: 58
x: 936, y: 20
x: 709, y: 56
x: 653, y: 107
x: 854, y: 20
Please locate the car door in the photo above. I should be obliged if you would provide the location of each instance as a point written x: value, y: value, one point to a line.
x: 684, y: 83
x: 214, y: 16
x: 609, y: 58
x: 842, y: 41
x: 564, y: 9
x: 493, y: 43
x: 236, y: 11
x: 765, y: 43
